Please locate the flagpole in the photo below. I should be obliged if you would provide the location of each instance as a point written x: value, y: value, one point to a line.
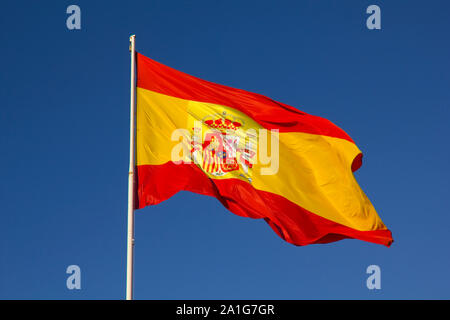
x: 131, y: 191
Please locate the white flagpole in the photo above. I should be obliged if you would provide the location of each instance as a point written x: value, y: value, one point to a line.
x: 131, y: 191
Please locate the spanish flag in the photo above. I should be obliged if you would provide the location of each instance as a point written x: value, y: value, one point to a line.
x: 260, y: 158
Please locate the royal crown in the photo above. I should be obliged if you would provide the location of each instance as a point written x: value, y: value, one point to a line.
x: 223, y: 124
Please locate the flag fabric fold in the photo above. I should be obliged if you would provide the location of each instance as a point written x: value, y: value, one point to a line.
x: 303, y: 184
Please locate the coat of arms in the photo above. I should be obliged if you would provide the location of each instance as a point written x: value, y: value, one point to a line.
x: 226, y: 147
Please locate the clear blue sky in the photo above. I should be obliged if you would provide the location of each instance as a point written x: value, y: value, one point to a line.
x: 64, y: 124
